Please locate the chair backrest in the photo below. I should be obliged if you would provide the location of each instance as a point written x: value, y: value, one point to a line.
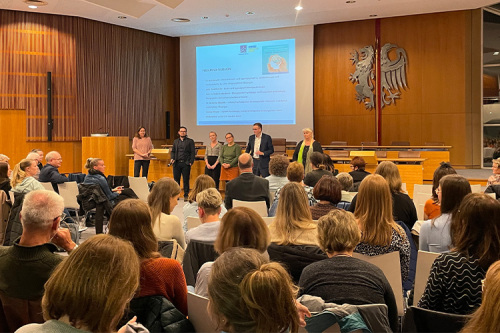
x: 423, y: 188
x: 390, y: 264
x: 424, y: 263
x: 197, y: 253
x: 140, y: 186
x: 400, y: 143
x: 171, y: 249
x: 16, y: 312
x: 268, y: 220
x: 369, y: 143
x: 338, y: 143
x: 259, y: 206
x: 339, y: 153
x: 291, y: 143
x: 68, y: 191
x: 409, y: 154
x: 193, y: 222
x: 198, y: 313
x: 12, y: 197
x: 47, y: 186
x: 434, y: 143
x: 493, y: 195
x: 419, y: 320
x: 279, y: 145
x: 381, y: 153
x: 419, y: 200
x: 476, y: 188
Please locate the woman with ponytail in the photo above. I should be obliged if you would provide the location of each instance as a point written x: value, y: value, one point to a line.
x: 319, y: 169
x: 22, y: 177
x: 249, y: 294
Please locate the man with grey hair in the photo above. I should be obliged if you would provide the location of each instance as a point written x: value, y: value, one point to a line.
x: 247, y: 186
x: 39, y: 152
x: 50, y: 172
x: 27, y: 265
x: 35, y: 157
x: 209, y: 208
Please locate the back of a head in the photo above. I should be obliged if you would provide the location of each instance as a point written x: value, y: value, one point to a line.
x: 245, y: 161
x: 453, y: 189
x: 242, y: 227
x: 359, y: 162
x: 159, y: 197
x: 374, y: 210
x: 293, y: 212
x: 328, y: 188
x: 390, y: 172
x: 317, y: 160
x: 295, y: 172
x: 18, y: 173
x: 249, y: 294
x: 487, y: 317
x: 93, y: 285
x: 210, y: 200
x: 278, y: 165
x: 328, y: 162
x: 201, y: 183
x: 91, y: 163
x: 475, y: 228
x: 40, y: 209
x: 131, y: 220
x: 338, y: 231
x: 345, y: 180
x: 442, y: 170
x: 32, y: 156
x: 4, y: 158
x: 4, y: 171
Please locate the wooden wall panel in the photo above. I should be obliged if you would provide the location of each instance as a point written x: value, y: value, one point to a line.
x: 105, y: 77
x: 441, y: 101
x: 337, y: 115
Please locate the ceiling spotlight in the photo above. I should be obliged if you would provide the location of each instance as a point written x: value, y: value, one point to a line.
x: 34, y: 4
x: 350, y: 1
x: 122, y: 17
x: 250, y: 13
x: 204, y: 17
x: 32, y: 7
x: 299, y: 7
x: 180, y: 20
x: 496, y: 53
x: 373, y: 15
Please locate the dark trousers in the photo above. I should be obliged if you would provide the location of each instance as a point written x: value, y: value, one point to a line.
x: 214, y: 173
x: 145, y: 168
x: 260, y: 167
x: 184, y: 169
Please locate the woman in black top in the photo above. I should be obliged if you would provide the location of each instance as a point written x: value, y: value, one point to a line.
x: 303, y: 151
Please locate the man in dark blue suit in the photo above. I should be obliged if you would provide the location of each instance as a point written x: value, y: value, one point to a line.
x: 260, y: 146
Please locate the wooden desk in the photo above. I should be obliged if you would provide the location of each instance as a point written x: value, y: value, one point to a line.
x: 410, y: 169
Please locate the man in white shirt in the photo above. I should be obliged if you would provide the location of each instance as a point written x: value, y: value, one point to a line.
x: 209, y: 208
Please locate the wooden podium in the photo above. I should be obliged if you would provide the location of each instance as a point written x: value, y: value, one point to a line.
x: 112, y: 149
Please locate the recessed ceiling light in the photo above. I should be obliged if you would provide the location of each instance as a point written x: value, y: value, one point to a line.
x: 204, y: 17
x: 180, y: 20
x: 250, y: 13
x: 373, y: 15
x: 351, y: 1
x: 299, y: 7
x: 33, y: 4
x: 32, y: 7
x: 496, y: 53
x: 122, y: 17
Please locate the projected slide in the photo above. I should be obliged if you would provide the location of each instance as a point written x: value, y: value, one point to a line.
x: 240, y: 84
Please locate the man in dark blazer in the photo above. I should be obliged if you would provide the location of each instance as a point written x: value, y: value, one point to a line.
x: 260, y: 147
x: 182, y: 156
x: 247, y: 186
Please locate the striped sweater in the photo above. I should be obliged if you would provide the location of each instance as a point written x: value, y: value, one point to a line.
x: 454, y: 285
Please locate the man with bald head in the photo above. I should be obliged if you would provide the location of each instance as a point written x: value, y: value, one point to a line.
x: 247, y: 186
x: 50, y: 172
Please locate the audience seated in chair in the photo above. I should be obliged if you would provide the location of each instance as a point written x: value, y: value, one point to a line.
x: 249, y: 294
x: 327, y: 193
x: 341, y: 278
x: 277, y: 167
x: 28, y: 264
x: 131, y: 220
x: 318, y: 169
x: 432, y: 208
x: 209, y: 208
x: 90, y: 290
x: 4, y: 178
x: 240, y: 227
x: 23, y: 180
x: 190, y: 208
x: 358, y: 172
x: 50, y: 172
x: 346, y: 182
x: 295, y: 174
x: 454, y: 284
x: 380, y: 233
x: 162, y: 200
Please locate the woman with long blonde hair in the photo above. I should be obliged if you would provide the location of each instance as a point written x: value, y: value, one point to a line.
x: 380, y: 234
x: 293, y: 224
x: 162, y: 200
x: 22, y: 177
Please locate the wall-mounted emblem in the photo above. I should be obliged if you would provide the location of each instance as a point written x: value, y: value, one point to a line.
x: 392, y: 74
